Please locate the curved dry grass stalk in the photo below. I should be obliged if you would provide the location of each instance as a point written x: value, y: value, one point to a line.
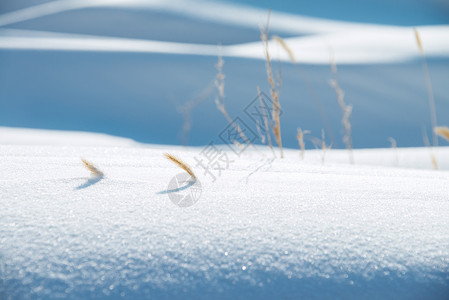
x: 287, y: 49
x: 433, y: 112
x: 91, y: 167
x: 442, y: 131
x: 309, y: 86
x: 180, y: 164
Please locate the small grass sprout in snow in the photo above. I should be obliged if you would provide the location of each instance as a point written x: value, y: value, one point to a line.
x: 321, y: 144
x: 300, y: 137
x: 92, y: 168
x: 442, y: 131
x: 180, y: 164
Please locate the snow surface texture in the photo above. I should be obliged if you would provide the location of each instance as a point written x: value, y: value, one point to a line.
x: 265, y: 229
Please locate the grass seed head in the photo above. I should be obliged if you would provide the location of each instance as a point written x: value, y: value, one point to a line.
x: 180, y: 164
x: 91, y: 167
x: 442, y: 131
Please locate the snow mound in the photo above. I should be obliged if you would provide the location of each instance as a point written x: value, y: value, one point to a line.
x: 264, y: 229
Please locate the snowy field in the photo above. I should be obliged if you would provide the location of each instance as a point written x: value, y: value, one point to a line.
x: 121, y: 82
x: 265, y: 229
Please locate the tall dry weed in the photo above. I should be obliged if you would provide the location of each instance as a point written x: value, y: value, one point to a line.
x: 219, y: 100
x: 274, y: 86
x: 346, y: 110
x: 432, y: 107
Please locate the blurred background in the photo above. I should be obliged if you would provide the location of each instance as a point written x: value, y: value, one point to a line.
x: 146, y: 70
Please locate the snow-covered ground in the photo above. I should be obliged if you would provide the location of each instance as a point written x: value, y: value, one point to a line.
x: 264, y: 229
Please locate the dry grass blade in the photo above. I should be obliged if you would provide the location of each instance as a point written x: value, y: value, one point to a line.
x: 276, y: 128
x: 285, y: 47
x: 418, y: 41
x: 265, y: 120
x: 300, y: 137
x: 180, y: 164
x: 346, y: 110
x: 433, y: 111
x: 219, y: 101
x: 442, y: 131
x: 91, y: 167
x: 323, y: 146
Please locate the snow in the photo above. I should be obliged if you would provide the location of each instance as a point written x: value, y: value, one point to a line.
x: 264, y: 229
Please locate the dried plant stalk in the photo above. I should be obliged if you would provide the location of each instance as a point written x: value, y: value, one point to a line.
x: 265, y: 120
x: 91, y: 167
x: 433, y: 112
x: 434, y: 161
x: 285, y: 47
x: 418, y: 41
x: 276, y: 127
x: 219, y: 100
x: 323, y: 146
x: 180, y: 164
x: 346, y: 110
x: 309, y: 86
x: 442, y: 131
x: 300, y: 137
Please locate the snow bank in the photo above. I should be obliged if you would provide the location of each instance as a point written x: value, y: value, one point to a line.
x: 264, y: 229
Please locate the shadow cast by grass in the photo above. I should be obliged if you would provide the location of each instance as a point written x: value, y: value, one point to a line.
x: 181, y: 188
x: 89, y: 182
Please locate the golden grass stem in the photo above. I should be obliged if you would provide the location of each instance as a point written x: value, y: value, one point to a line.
x: 92, y: 168
x: 180, y: 164
x: 442, y: 131
x: 287, y: 49
x: 433, y: 113
x: 276, y: 127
